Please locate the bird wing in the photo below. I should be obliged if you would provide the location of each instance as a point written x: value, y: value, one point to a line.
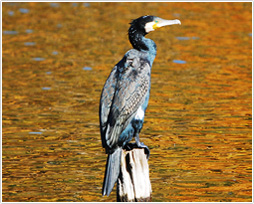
x: 130, y: 93
x: 106, y: 100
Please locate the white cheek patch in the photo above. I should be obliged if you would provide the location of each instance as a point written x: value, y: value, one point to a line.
x: 149, y: 27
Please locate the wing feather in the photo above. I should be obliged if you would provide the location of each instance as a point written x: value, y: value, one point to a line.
x: 130, y: 93
x: 106, y: 100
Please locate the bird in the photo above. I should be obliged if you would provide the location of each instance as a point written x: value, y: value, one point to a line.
x: 125, y: 95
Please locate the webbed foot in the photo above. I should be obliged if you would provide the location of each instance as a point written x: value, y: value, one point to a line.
x: 142, y: 145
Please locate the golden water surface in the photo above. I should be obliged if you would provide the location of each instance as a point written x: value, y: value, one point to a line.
x: 56, y: 58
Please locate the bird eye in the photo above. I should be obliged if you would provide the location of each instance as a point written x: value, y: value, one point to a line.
x: 156, y: 21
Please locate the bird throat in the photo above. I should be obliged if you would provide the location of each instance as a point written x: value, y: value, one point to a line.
x: 141, y: 43
x: 137, y: 42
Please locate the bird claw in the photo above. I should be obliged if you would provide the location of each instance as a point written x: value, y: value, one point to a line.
x: 128, y: 146
x: 143, y: 146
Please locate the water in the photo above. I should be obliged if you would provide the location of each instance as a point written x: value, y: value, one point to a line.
x: 35, y: 133
x: 86, y: 5
x: 179, y: 61
x: 38, y: 59
x: 23, y: 10
x: 29, y: 43
x: 46, y: 88
x: 56, y: 5
x: 87, y: 68
x: 11, y: 13
x: 54, y: 53
x: 183, y: 38
x: 74, y: 4
x: 10, y: 32
x: 198, y: 122
x: 29, y: 31
x: 187, y: 38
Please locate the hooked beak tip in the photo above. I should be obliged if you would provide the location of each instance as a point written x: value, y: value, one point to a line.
x: 177, y: 21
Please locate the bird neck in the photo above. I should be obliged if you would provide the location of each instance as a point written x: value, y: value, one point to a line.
x: 141, y: 43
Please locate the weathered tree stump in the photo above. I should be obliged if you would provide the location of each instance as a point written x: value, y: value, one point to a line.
x: 133, y: 184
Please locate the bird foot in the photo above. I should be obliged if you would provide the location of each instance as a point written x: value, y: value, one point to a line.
x: 129, y: 146
x: 143, y: 146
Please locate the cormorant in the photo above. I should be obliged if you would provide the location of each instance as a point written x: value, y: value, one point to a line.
x: 125, y: 96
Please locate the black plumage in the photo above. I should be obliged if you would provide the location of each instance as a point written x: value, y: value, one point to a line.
x: 125, y: 96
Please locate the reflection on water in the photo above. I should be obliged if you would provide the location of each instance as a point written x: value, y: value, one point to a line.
x: 38, y: 59
x: 87, y: 68
x: 46, y: 88
x: 11, y: 13
x: 29, y: 31
x: 10, y: 32
x: 86, y: 4
x: 74, y: 4
x: 59, y: 25
x: 198, y: 122
x: 23, y: 10
x: 54, y: 53
x: 179, y: 61
x: 35, y: 133
x: 187, y: 38
x: 29, y: 43
x: 54, y: 5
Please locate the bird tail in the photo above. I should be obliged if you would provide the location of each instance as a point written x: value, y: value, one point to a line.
x: 112, y: 171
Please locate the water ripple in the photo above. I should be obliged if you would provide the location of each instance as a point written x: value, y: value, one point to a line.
x: 35, y: 133
x: 38, y: 58
x: 87, y: 68
x: 10, y: 32
x: 46, y: 88
x: 187, y: 38
x: 29, y: 31
x: 29, y: 43
x: 23, y: 10
x: 10, y: 13
x: 179, y: 61
x: 55, y: 5
x: 86, y: 4
x: 54, y: 53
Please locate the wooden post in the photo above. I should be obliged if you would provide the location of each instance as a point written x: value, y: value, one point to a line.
x: 133, y: 184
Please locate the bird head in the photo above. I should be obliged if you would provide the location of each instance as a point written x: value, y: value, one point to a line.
x: 146, y: 24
